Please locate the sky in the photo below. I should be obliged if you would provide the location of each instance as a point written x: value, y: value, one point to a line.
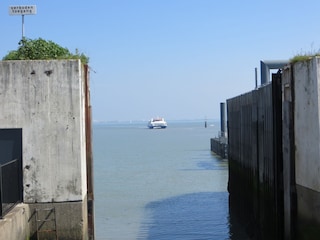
x: 178, y: 59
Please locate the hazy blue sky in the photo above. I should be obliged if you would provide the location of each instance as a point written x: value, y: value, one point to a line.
x: 173, y: 58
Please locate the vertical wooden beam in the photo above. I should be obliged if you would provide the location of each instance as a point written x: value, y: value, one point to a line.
x: 89, y: 156
x: 288, y: 152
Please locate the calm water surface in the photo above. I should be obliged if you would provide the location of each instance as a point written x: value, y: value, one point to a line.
x: 160, y: 183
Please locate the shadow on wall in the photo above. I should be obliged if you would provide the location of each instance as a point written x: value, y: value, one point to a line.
x: 191, y: 216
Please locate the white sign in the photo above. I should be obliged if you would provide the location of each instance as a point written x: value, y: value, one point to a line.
x: 23, y: 10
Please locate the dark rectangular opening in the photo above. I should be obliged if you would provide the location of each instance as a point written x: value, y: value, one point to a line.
x: 10, y: 169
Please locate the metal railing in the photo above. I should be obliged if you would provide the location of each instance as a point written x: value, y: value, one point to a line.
x: 10, y: 185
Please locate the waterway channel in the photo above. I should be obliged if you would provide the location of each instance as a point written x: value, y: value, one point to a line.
x: 160, y: 183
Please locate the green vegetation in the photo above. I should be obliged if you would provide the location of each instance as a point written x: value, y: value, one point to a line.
x: 301, y: 58
x: 40, y: 49
x: 305, y: 56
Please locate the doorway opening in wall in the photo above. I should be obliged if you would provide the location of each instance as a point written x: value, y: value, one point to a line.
x: 10, y: 169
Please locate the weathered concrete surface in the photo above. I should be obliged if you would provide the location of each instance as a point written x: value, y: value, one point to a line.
x: 15, y: 224
x: 20, y: 222
x: 46, y: 100
x: 306, y: 77
x: 308, y: 216
x: 67, y: 227
x: 307, y: 123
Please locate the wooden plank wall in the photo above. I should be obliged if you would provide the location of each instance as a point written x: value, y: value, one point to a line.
x: 254, y: 172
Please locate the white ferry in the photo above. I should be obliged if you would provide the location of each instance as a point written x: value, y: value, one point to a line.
x: 157, y: 123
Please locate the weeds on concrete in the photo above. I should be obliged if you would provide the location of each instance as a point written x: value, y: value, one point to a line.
x: 305, y: 56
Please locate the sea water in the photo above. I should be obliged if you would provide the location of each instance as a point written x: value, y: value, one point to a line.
x: 160, y: 183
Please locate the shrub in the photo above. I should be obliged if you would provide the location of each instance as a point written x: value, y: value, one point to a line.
x: 40, y: 49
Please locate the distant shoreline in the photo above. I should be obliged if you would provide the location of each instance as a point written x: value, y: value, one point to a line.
x: 95, y: 122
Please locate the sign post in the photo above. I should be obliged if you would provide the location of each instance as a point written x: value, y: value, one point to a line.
x: 23, y: 10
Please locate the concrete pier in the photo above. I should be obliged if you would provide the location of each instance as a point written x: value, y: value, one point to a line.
x: 303, y: 79
x: 274, y: 155
x: 49, y: 101
x: 15, y: 225
x: 219, y: 144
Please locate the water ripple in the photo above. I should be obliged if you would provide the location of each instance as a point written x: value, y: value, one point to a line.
x: 192, y: 216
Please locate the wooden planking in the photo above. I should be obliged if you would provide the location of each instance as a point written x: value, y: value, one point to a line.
x: 255, y: 165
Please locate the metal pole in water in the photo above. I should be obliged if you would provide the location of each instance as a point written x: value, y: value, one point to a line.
x: 256, y: 77
x: 223, y: 119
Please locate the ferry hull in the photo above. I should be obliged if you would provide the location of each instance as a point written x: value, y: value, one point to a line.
x: 157, y: 123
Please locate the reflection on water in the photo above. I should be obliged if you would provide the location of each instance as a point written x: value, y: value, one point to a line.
x: 212, y: 165
x: 160, y: 184
x: 191, y: 216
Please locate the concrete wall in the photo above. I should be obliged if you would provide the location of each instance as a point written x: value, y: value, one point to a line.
x: 20, y: 222
x: 15, y: 224
x: 307, y: 123
x: 71, y: 220
x: 46, y: 100
x: 306, y: 77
